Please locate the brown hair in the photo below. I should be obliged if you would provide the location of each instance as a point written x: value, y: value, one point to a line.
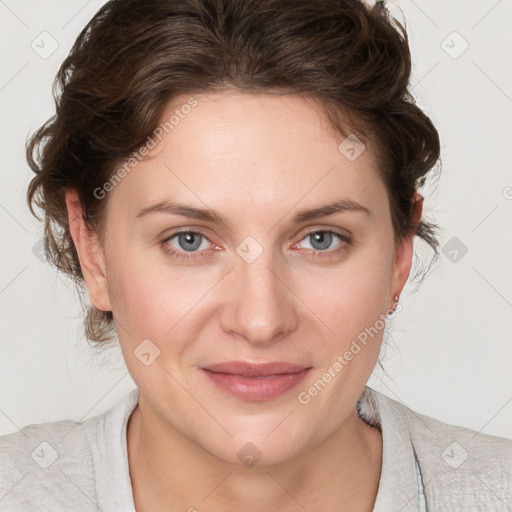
x: 135, y: 55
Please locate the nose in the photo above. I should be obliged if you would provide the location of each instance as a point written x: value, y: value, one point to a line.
x: 260, y: 306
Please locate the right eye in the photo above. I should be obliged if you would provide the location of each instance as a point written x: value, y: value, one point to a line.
x: 185, y: 242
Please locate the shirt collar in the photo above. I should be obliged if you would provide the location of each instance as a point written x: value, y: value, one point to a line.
x: 398, y: 484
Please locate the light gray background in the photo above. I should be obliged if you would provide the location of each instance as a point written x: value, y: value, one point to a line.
x: 450, y: 349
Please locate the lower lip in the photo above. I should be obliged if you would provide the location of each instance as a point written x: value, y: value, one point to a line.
x: 257, y: 388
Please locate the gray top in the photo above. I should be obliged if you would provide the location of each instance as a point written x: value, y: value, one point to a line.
x: 65, y: 465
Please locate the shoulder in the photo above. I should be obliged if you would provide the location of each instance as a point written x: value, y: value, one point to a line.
x: 56, y: 466
x: 47, y: 465
x: 460, y: 467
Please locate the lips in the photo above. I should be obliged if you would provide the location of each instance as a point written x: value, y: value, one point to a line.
x: 245, y: 369
x: 255, y: 381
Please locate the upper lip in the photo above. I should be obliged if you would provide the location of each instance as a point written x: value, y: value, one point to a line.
x: 248, y: 369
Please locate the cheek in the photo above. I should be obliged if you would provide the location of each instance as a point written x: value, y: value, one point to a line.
x: 141, y: 292
x: 350, y: 300
x: 351, y: 296
x: 153, y: 299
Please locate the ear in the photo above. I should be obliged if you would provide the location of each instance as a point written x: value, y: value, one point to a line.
x: 403, y: 254
x: 90, y: 253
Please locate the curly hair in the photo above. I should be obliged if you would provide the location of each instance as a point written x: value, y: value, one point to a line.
x: 134, y: 56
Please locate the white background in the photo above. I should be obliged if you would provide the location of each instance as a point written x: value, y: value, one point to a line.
x: 450, y: 351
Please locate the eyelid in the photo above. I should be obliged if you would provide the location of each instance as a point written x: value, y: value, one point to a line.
x: 188, y: 229
x: 342, y: 232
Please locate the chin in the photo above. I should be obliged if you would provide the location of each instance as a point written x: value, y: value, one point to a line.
x: 260, y: 446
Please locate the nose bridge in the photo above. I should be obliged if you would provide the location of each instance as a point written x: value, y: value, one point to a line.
x: 260, y: 306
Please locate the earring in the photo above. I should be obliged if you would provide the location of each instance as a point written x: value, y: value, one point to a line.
x: 392, y: 309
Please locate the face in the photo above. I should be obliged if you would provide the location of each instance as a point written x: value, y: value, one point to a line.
x: 258, y: 282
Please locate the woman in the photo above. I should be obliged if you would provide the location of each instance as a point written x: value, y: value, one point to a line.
x: 236, y: 185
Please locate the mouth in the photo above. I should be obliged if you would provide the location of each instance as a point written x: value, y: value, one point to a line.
x: 256, y: 381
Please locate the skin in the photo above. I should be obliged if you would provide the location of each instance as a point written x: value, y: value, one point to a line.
x: 256, y: 160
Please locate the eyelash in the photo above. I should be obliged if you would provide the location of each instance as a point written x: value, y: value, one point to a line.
x: 345, y: 240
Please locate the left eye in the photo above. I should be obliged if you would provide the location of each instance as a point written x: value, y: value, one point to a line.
x: 321, y: 240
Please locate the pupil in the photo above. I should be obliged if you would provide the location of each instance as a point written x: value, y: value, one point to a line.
x: 188, y: 238
x: 324, y: 238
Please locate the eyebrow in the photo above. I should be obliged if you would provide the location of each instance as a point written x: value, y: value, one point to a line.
x: 206, y: 215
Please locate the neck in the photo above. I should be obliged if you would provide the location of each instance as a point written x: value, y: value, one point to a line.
x: 170, y: 472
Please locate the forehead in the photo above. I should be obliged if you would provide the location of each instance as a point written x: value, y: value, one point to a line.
x: 248, y: 124
x: 248, y: 148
